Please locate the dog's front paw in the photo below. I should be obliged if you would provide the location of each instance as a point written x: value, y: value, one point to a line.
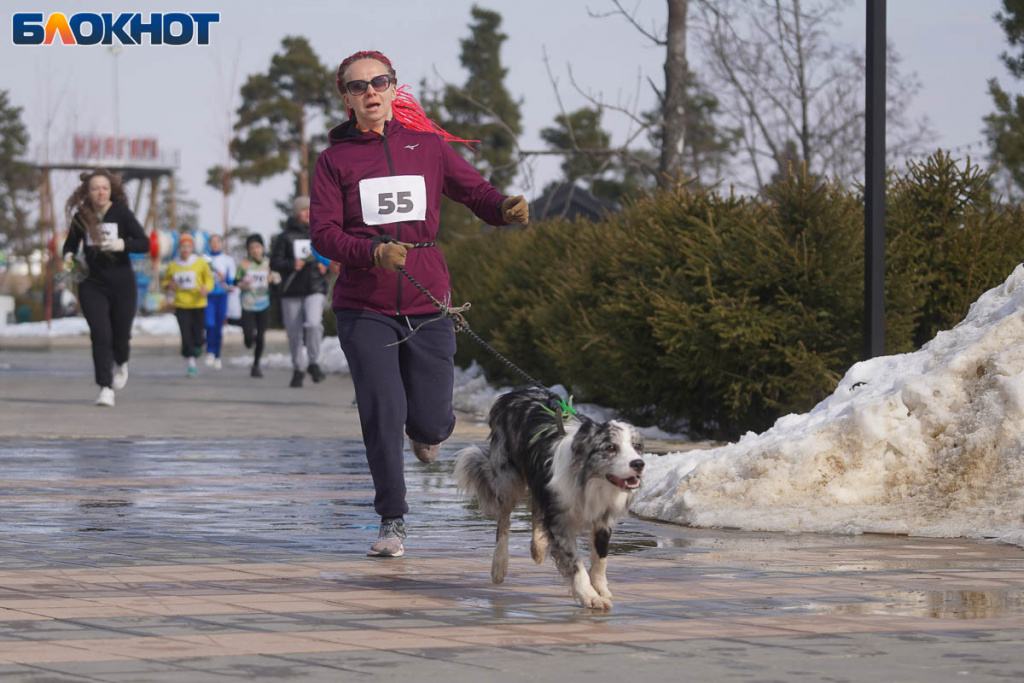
x: 600, y: 583
x: 597, y: 602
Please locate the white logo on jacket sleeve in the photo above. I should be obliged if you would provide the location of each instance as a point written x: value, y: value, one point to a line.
x: 412, y: 146
x: 393, y: 199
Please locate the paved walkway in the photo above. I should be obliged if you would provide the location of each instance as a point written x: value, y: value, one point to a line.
x: 131, y: 550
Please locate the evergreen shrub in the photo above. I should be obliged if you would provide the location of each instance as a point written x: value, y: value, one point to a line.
x: 720, y: 312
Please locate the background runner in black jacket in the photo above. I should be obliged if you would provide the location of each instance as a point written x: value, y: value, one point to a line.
x: 106, y: 231
x: 303, y: 289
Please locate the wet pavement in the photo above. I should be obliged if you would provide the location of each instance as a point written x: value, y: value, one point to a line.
x: 160, y: 557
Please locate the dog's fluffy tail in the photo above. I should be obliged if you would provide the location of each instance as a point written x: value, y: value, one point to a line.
x: 497, y: 487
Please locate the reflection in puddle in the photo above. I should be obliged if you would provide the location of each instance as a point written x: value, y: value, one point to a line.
x: 965, y: 604
x: 315, y: 495
x: 104, y: 504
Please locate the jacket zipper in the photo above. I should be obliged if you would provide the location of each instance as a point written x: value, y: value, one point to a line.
x: 391, y: 171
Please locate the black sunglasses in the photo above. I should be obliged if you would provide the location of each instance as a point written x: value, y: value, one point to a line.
x: 379, y: 83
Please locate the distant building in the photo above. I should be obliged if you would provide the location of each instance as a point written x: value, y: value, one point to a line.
x: 569, y: 201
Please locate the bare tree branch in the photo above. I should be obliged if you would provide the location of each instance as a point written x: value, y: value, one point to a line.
x: 631, y: 18
x: 751, y: 107
x: 558, y: 98
x: 782, y: 80
x: 633, y: 116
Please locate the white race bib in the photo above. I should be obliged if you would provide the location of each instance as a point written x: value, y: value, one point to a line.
x: 106, y: 229
x: 302, y: 249
x: 258, y: 279
x: 393, y: 199
x: 185, y: 279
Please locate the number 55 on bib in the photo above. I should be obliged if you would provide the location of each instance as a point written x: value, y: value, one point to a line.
x: 393, y: 199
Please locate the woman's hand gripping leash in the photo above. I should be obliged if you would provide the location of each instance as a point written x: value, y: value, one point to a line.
x: 390, y: 254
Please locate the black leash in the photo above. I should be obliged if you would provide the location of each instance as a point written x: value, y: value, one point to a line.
x: 559, y: 408
x: 455, y: 315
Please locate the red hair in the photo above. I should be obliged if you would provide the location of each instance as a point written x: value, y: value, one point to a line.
x: 405, y: 108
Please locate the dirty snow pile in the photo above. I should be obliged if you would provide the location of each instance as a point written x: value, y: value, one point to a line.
x: 332, y: 359
x: 152, y: 325
x: 929, y: 443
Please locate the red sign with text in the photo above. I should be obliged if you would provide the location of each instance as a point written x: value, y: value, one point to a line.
x: 110, y: 147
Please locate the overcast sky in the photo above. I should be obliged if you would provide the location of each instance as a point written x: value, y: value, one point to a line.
x: 182, y: 95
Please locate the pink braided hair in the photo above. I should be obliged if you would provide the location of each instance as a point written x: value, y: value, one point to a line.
x: 405, y: 108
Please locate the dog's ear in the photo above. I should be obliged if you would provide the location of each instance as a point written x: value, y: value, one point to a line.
x: 587, y: 425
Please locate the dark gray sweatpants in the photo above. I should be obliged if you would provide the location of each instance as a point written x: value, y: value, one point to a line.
x: 405, y: 386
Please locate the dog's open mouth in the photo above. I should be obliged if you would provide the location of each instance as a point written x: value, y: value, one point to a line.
x: 631, y: 484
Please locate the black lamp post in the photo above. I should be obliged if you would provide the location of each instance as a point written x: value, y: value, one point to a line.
x: 874, y: 184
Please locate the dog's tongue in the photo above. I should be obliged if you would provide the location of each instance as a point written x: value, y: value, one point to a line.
x: 624, y: 484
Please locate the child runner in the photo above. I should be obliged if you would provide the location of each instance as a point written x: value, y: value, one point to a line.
x: 190, y: 279
x: 253, y: 279
x: 223, y: 268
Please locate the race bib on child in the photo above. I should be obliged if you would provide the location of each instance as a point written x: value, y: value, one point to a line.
x: 303, y: 249
x: 393, y: 199
x: 258, y: 279
x: 185, y: 279
x: 106, y: 229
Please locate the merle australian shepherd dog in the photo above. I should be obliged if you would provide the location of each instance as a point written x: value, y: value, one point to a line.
x: 580, y: 479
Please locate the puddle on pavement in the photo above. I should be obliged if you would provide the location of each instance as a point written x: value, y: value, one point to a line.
x: 291, y: 496
x: 313, y: 494
x: 949, y: 604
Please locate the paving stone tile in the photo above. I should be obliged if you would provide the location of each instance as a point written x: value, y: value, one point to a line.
x: 268, y: 579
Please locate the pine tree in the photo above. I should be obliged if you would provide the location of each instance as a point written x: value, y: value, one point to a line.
x: 588, y: 154
x: 614, y: 175
x: 589, y: 157
x: 483, y: 109
x: 274, y: 117
x: 585, y: 143
x: 1004, y: 128
x: 16, y: 180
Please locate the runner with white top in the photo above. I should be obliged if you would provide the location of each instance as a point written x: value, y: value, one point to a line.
x: 223, y: 268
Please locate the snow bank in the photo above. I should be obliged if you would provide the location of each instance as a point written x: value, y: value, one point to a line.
x: 929, y: 443
x: 151, y: 325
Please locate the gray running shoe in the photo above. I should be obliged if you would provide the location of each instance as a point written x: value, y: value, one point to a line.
x: 389, y: 539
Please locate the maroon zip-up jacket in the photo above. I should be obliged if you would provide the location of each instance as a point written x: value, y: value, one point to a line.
x: 339, y: 232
